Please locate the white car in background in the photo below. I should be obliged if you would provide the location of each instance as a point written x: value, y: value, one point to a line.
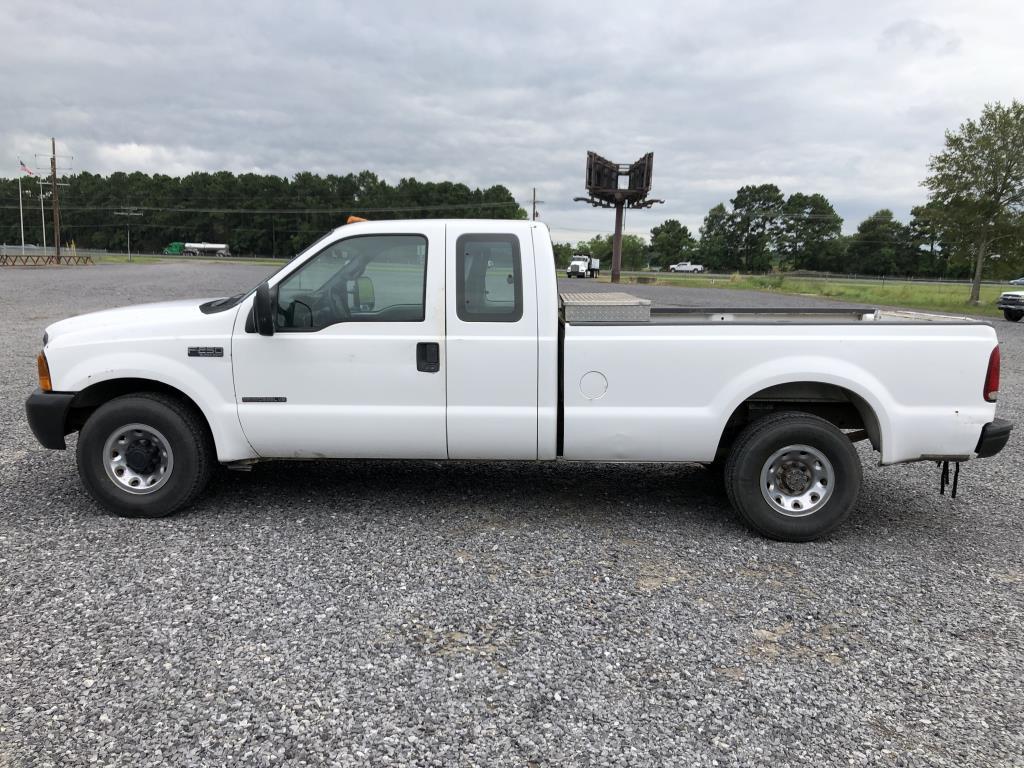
x: 686, y: 266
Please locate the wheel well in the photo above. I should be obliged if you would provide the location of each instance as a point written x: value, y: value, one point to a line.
x: 847, y: 410
x: 92, y: 397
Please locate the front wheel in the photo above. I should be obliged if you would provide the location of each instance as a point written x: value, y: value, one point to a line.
x: 145, y: 455
x: 793, y: 476
x: 1013, y: 315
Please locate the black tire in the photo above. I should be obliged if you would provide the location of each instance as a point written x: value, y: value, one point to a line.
x: 750, y: 454
x: 1013, y: 315
x: 191, y: 448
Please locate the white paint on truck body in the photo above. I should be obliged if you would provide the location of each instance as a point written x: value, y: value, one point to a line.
x: 671, y: 388
x: 660, y: 391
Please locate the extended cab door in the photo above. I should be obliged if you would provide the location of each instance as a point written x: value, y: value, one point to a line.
x: 492, y: 342
x: 356, y: 366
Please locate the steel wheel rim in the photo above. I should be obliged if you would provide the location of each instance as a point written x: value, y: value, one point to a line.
x: 797, y: 480
x: 138, y: 459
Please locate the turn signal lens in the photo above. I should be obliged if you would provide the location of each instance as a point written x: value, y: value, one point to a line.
x: 44, y: 373
x: 991, y: 390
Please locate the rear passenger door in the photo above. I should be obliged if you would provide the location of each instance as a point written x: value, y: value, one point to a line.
x: 491, y: 342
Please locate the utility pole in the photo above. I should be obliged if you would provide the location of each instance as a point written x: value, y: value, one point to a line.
x: 42, y: 214
x: 535, y: 201
x: 55, y: 200
x: 126, y: 211
x: 617, y: 243
x: 21, y: 217
x: 55, y: 196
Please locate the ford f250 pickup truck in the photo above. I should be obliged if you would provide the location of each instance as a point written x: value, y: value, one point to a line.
x: 449, y: 340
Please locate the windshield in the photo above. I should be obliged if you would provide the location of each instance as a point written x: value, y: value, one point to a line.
x: 219, y: 305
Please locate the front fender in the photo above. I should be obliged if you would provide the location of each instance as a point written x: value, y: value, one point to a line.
x: 211, y: 388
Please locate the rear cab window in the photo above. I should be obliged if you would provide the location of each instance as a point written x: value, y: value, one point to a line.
x: 489, y: 278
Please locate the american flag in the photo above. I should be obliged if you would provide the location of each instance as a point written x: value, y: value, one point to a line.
x: 25, y: 168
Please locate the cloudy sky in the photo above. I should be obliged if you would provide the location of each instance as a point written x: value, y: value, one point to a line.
x: 844, y: 98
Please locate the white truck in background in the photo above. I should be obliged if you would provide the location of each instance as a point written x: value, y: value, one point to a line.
x: 583, y: 266
x: 206, y: 249
x: 686, y: 266
x: 448, y: 340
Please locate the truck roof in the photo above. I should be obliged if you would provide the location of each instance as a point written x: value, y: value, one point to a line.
x: 511, y: 225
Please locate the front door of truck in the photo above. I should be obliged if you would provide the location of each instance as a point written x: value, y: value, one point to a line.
x: 356, y: 366
x: 491, y: 343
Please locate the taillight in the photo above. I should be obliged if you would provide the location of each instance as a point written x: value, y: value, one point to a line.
x: 991, y: 390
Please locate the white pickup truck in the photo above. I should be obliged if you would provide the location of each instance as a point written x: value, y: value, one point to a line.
x: 1012, y: 304
x: 686, y: 267
x: 448, y: 340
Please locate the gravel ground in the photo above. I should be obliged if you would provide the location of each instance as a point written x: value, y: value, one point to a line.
x: 424, y: 613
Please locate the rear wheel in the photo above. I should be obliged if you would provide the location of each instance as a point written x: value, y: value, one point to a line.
x: 1013, y: 315
x: 145, y: 455
x: 793, y: 476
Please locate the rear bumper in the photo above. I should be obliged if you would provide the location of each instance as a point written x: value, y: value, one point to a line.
x: 48, y: 415
x: 993, y: 437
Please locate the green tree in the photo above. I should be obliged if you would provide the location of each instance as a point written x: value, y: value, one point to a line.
x: 881, y: 246
x: 671, y: 242
x: 977, y: 181
x: 808, y: 235
x: 941, y: 251
x: 753, y: 224
x: 563, y: 254
x: 713, y: 249
x: 634, y: 251
x: 253, y: 213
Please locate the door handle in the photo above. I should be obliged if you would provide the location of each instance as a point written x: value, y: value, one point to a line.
x: 428, y: 357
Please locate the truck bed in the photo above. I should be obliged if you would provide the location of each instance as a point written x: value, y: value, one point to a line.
x: 662, y: 384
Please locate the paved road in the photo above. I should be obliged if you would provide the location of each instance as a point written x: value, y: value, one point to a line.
x: 492, y: 613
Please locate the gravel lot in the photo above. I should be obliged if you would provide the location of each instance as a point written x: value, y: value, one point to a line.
x: 426, y: 613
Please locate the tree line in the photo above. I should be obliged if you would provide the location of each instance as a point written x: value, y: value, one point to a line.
x: 764, y: 231
x: 254, y: 214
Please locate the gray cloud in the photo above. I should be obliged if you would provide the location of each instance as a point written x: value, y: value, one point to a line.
x: 844, y: 99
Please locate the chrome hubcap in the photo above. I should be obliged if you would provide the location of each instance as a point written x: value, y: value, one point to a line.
x: 138, y: 458
x: 797, y: 480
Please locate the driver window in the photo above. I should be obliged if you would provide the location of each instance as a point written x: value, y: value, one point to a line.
x: 373, y: 278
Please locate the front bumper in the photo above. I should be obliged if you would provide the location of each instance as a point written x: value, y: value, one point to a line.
x: 993, y: 438
x: 48, y: 417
